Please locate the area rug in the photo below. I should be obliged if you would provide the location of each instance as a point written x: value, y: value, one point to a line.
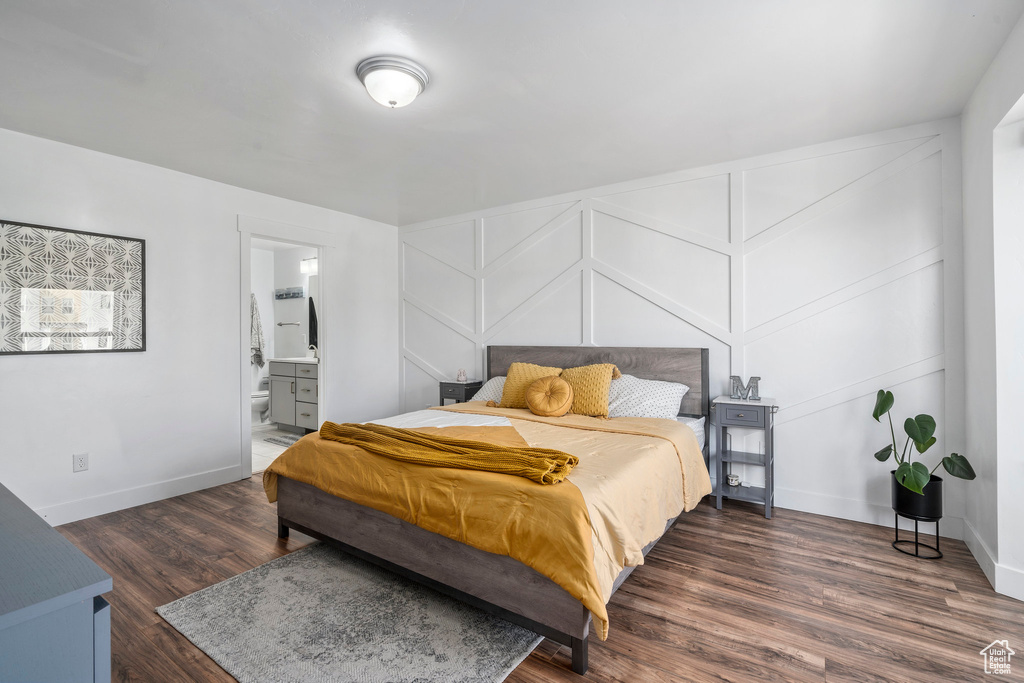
x: 319, y: 614
x: 282, y: 440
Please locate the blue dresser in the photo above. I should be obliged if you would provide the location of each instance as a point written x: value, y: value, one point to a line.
x: 54, y: 626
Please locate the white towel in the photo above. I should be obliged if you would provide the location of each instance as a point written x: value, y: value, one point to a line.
x: 257, y: 348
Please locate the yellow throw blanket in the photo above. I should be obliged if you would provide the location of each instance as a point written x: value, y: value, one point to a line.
x: 542, y: 465
x: 633, y: 475
x: 546, y: 528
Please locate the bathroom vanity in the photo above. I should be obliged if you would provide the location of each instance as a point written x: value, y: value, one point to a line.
x: 294, y: 393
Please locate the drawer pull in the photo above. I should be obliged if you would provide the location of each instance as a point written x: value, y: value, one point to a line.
x: 305, y: 371
x: 304, y: 414
x: 306, y: 390
x: 739, y: 414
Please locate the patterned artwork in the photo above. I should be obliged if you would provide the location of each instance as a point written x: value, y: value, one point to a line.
x: 66, y: 291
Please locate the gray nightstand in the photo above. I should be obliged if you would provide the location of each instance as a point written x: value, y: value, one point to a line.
x: 459, y: 391
x: 730, y: 413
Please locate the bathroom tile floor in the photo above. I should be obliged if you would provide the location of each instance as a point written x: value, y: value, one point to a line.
x: 264, y: 452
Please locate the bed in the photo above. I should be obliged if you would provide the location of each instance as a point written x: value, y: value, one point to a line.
x: 493, y: 582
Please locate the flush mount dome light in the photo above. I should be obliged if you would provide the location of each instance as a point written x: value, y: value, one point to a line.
x: 392, y: 81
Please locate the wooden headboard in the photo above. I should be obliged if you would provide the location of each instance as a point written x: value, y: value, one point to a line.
x: 689, y: 366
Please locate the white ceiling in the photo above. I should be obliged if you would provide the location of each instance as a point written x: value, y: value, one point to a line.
x: 527, y: 98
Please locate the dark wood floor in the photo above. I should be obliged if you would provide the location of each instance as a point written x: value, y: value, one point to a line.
x: 726, y: 595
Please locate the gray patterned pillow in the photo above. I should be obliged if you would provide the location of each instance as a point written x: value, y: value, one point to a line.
x: 491, y: 390
x: 634, y: 397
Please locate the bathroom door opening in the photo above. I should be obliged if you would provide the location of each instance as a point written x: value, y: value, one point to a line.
x: 284, y: 339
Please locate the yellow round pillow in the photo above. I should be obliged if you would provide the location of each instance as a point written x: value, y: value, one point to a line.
x: 549, y: 397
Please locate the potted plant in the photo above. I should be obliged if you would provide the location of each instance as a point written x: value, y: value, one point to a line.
x: 916, y: 491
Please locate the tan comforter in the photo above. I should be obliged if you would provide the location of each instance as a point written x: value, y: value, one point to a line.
x: 634, y: 474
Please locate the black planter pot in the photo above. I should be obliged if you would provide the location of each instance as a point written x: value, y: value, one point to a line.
x: 926, y: 507
x: 920, y: 507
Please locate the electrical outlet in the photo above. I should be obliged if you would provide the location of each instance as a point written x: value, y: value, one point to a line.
x: 80, y: 462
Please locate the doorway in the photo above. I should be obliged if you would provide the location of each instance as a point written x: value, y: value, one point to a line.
x: 284, y: 345
x: 282, y: 339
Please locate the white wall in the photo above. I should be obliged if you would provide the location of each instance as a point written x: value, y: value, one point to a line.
x: 993, y: 376
x: 830, y: 271
x: 166, y: 421
x: 1008, y: 242
x: 261, y: 279
x: 291, y: 341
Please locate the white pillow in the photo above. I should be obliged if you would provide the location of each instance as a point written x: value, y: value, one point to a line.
x: 491, y: 390
x: 634, y: 397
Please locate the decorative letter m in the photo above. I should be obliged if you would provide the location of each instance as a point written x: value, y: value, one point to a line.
x: 747, y: 391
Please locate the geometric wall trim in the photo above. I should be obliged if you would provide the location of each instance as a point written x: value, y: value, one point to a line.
x: 501, y: 233
x: 774, y: 193
x: 830, y: 271
x: 700, y: 205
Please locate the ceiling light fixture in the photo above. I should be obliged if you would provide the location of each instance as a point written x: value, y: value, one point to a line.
x: 392, y: 81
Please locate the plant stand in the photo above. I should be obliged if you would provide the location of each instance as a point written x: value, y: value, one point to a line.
x: 917, y: 542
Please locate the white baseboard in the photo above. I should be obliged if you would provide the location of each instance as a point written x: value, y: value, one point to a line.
x: 1010, y: 581
x: 82, y: 508
x: 858, y: 511
x: 982, y: 554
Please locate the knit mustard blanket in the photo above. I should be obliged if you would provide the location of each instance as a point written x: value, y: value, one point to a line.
x: 542, y: 465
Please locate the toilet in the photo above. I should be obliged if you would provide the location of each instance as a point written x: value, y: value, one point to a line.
x: 261, y: 402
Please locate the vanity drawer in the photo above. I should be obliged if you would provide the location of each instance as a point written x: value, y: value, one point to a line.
x: 306, y: 390
x: 283, y: 369
x: 306, y: 415
x: 307, y: 370
x: 743, y: 416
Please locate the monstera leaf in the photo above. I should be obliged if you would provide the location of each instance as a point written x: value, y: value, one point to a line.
x: 883, y: 402
x: 883, y: 455
x: 958, y: 466
x: 920, y: 430
x: 914, y: 476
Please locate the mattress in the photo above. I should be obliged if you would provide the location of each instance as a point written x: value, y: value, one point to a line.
x: 697, y: 425
x: 440, y: 418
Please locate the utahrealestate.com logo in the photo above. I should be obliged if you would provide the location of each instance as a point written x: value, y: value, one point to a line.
x: 997, y: 657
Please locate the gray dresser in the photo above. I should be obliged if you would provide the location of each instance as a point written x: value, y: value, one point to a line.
x: 54, y: 626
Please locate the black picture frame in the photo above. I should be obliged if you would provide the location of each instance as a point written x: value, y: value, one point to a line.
x: 70, y: 291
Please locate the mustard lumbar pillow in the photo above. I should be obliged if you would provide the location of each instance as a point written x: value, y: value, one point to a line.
x: 520, y: 376
x: 549, y: 397
x: 590, y: 385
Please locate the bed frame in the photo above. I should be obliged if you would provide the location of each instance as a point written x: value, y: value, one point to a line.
x: 496, y: 584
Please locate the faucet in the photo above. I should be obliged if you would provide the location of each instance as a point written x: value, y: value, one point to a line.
x: 316, y: 351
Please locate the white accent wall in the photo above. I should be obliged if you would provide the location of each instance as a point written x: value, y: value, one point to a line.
x: 830, y: 271
x: 166, y: 421
x: 993, y: 277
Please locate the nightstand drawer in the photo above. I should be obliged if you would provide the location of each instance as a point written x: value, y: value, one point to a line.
x: 741, y: 416
x: 458, y: 391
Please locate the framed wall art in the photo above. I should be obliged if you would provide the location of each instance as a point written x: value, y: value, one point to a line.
x: 68, y: 291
